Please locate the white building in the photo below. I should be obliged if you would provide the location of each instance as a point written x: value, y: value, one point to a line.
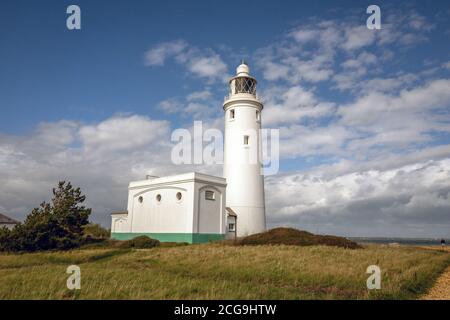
x: 7, y: 222
x: 183, y: 208
x: 195, y: 207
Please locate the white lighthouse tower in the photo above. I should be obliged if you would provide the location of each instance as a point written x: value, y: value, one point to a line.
x: 243, y: 153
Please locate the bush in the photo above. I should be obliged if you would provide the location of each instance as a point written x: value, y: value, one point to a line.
x: 141, y: 242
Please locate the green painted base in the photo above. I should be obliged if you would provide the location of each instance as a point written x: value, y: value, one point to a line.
x: 172, y: 237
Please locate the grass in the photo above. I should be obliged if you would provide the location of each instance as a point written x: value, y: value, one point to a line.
x: 220, y: 271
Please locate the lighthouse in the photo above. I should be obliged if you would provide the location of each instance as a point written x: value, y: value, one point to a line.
x: 243, y: 153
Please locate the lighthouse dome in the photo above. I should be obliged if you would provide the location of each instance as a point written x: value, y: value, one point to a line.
x: 242, y: 70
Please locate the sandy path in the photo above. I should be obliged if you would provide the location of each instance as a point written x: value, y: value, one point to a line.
x: 441, y: 289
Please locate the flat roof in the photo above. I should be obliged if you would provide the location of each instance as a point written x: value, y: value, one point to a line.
x: 185, y: 177
x: 120, y: 213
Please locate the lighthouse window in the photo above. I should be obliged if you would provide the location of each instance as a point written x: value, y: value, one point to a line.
x: 179, y: 196
x: 209, y: 195
x: 231, y: 227
x: 158, y: 197
x: 258, y: 115
x: 140, y: 199
x: 232, y: 114
x: 246, y: 140
x: 245, y: 85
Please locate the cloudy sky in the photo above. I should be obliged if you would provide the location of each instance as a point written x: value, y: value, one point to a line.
x: 364, y: 115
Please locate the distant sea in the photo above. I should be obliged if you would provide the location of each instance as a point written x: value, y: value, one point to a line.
x: 403, y: 241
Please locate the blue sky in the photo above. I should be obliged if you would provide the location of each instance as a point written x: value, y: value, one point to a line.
x: 50, y: 73
x: 363, y: 114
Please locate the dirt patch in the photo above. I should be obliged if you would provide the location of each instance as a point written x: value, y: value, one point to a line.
x: 441, y: 289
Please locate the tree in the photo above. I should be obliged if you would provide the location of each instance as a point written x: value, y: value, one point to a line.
x: 55, y: 225
x: 68, y: 209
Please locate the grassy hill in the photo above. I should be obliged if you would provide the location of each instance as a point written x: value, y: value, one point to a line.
x: 295, y: 237
x: 221, y: 271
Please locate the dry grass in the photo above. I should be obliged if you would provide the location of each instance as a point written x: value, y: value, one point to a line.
x: 217, y: 271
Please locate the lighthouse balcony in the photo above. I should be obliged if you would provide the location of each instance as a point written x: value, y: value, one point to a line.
x: 253, y: 96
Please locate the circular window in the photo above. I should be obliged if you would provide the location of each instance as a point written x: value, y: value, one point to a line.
x: 179, y: 195
x: 158, y: 197
x: 140, y: 199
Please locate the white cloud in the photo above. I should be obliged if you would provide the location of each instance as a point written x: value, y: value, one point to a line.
x: 397, y: 121
x: 419, y: 22
x: 304, y: 141
x: 374, y: 108
x: 405, y: 201
x: 158, y: 55
x: 274, y: 71
x: 314, y: 70
x: 122, y: 134
x: 386, y: 85
x: 199, y: 95
x: 362, y: 60
x: 292, y: 105
x: 208, y: 67
x: 304, y: 35
x: 358, y: 37
x: 203, y: 63
x: 198, y: 105
x: 200, y: 111
x: 171, y: 105
x: 447, y: 65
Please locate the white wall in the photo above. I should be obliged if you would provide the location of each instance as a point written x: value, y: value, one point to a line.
x: 119, y: 223
x: 170, y: 215
x: 211, y: 215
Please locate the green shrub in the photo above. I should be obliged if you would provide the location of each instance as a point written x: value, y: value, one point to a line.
x: 141, y: 242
